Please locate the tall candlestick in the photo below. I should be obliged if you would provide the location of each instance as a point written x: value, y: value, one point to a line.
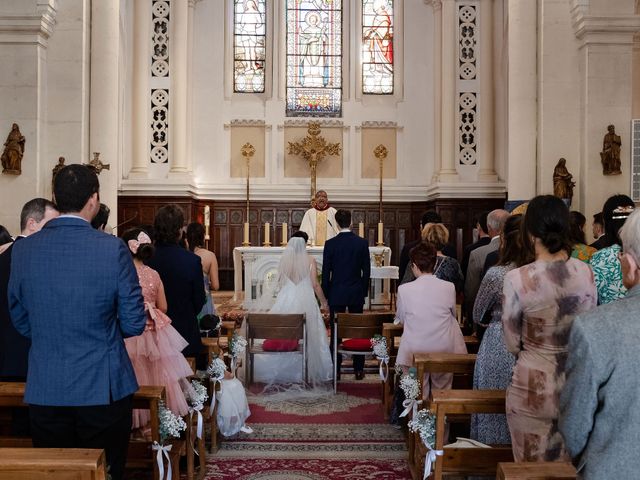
x: 245, y: 238
x: 380, y: 234
x: 266, y: 235
x: 361, y: 230
x: 284, y: 233
x: 207, y: 216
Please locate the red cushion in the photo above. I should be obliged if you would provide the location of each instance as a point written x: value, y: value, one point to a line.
x: 280, y: 345
x: 357, y: 344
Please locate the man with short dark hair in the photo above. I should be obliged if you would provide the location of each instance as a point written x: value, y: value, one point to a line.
x: 346, y: 269
x: 99, y: 222
x: 14, y: 348
x: 598, y: 232
x: 75, y: 293
x: 483, y: 239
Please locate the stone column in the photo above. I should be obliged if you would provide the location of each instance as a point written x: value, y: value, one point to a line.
x: 606, y: 32
x: 104, y: 126
x: 448, y: 172
x: 522, y: 99
x: 486, y: 107
x: 437, y: 87
x: 189, y: 138
x: 179, y: 87
x: 140, y: 107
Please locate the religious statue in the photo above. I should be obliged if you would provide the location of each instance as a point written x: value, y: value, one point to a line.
x: 313, y: 149
x: 96, y: 164
x: 563, y: 181
x: 610, y: 155
x: 56, y: 170
x: 13, y: 152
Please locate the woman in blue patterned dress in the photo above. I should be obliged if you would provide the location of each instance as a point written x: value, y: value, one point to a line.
x: 604, y: 263
x: 494, y: 362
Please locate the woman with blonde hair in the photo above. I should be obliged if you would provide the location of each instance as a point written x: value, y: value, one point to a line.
x: 446, y: 268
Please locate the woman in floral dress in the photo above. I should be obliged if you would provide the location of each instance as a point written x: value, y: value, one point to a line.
x: 604, y: 263
x: 494, y: 363
x: 540, y: 301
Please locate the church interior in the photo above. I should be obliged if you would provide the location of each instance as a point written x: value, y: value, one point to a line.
x: 239, y: 111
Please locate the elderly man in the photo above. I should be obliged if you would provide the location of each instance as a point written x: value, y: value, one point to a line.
x: 319, y: 222
x: 495, y: 224
x: 599, y: 404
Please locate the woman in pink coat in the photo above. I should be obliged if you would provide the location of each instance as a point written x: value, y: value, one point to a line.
x: 427, y: 308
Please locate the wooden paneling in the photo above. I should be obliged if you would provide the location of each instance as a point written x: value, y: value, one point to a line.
x: 401, y: 221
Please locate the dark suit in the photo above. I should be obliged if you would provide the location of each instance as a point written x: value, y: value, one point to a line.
x: 74, y: 291
x: 181, y: 274
x: 470, y: 248
x: 346, y: 269
x: 600, y: 243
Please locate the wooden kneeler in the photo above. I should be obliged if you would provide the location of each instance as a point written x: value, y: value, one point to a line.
x: 536, y: 471
x: 52, y: 464
x: 466, y: 461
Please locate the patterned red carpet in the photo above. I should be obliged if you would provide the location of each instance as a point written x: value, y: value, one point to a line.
x: 332, y: 437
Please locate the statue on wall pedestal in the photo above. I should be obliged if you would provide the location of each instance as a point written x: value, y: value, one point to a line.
x: 13, y: 152
x: 610, y: 155
x: 563, y: 181
x: 57, y: 169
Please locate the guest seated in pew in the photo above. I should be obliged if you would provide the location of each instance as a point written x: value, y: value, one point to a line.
x: 156, y: 354
x: 494, y: 363
x: 599, y: 404
x: 74, y: 292
x: 540, y: 301
x: 427, y: 308
x: 446, y: 268
x: 181, y: 273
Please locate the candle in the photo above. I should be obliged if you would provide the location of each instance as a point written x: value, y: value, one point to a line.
x: 245, y: 239
x: 361, y: 230
x: 266, y: 233
x: 380, y: 233
x: 284, y: 233
x: 207, y: 214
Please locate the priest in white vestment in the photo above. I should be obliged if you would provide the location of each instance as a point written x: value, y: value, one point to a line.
x: 319, y: 222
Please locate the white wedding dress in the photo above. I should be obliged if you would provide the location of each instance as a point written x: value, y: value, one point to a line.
x: 284, y: 369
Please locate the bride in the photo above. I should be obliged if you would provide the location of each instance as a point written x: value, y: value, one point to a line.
x: 298, y: 287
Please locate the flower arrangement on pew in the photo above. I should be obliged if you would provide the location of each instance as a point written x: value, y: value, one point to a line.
x: 216, y: 371
x: 171, y: 426
x: 411, y: 388
x: 424, y: 422
x: 379, y: 346
x: 237, y: 346
x: 196, y: 399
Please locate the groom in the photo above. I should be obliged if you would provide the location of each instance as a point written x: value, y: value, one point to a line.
x: 345, y: 277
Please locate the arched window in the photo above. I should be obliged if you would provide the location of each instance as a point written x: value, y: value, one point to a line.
x: 377, y: 47
x: 314, y: 58
x: 249, y: 45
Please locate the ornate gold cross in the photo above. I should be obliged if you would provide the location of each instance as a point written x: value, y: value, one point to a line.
x: 313, y: 148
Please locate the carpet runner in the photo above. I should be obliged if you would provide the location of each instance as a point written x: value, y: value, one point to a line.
x: 332, y: 437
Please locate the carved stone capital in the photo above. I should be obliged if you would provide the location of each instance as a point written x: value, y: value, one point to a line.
x: 602, y: 29
x: 30, y: 29
x: 436, y: 4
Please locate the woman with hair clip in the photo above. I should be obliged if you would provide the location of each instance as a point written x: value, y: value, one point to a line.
x: 604, y: 263
x: 494, y: 362
x: 539, y: 303
x: 156, y: 354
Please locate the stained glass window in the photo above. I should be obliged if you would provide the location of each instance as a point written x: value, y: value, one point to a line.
x: 314, y: 57
x: 377, y: 46
x: 249, y: 40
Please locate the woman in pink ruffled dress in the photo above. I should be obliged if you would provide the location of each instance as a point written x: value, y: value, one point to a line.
x: 156, y: 354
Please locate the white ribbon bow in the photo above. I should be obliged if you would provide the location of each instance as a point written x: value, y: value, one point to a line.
x: 384, y: 373
x: 197, y: 409
x: 213, y: 396
x: 162, y: 450
x: 429, y: 459
x: 410, y: 405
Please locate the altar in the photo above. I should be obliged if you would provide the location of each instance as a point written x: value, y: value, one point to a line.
x: 260, y: 268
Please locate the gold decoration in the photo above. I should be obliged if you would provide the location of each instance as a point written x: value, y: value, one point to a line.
x: 313, y: 148
x: 96, y: 164
x: 378, y: 259
x: 247, y: 151
x: 381, y: 153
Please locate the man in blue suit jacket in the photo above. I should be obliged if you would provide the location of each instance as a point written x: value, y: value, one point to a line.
x: 346, y: 269
x: 75, y: 293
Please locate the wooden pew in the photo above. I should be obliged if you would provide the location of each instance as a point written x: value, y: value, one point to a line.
x: 536, y: 471
x: 52, y: 464
x: 465, y: 461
